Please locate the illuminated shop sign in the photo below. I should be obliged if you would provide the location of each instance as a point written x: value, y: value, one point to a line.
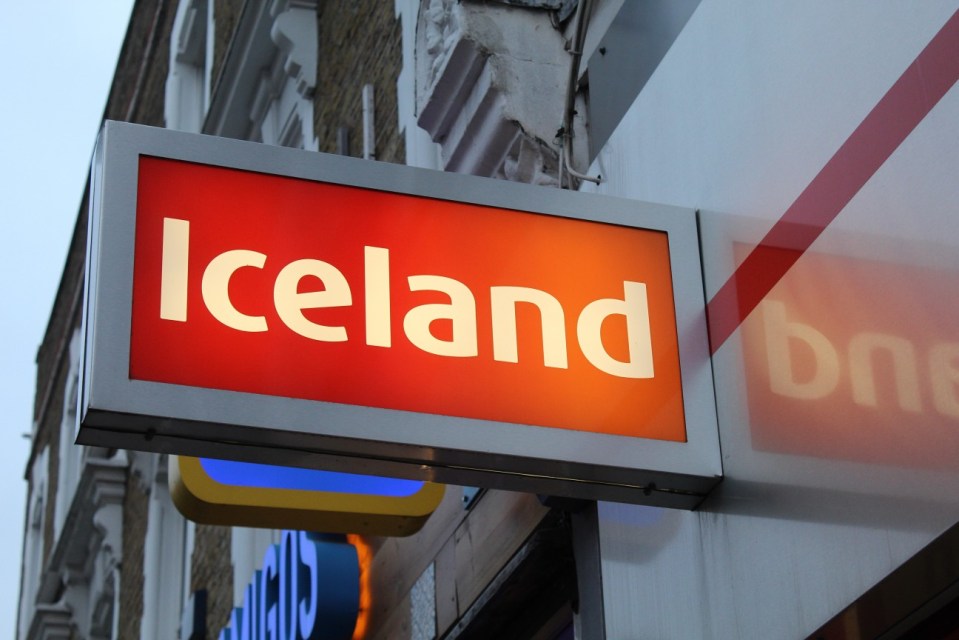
x: 233, y: 493
x: 345, y: 302
x: 308, y: 587
x: 278, y: 306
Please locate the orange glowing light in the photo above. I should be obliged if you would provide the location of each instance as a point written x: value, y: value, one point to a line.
x: 365, y: 558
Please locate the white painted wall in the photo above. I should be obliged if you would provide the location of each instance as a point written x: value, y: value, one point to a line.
x: 746, y: 108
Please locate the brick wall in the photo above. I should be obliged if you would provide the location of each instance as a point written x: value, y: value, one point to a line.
x: 50, y: 434
x: 63, y: 318
x: 211, y: 569
x: 359, y: 44
x: 135, y: 507
x: 226, y: 13
x: 53, y: 363
x: 139, y: 83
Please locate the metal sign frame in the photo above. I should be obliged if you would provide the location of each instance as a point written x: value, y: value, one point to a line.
x: 121, y: 412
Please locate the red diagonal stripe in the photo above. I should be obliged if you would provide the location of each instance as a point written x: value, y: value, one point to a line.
x: 894, y: 117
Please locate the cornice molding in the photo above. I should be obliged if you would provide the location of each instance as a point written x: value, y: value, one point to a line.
x: 92, y: 532
x: 51, y: 622
x: 490, y: 88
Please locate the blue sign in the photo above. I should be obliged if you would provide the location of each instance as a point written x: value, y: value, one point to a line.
x: 250, y: 474
x: 308, y: 587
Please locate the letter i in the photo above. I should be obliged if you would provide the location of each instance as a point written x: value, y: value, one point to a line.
x: 174, y: 269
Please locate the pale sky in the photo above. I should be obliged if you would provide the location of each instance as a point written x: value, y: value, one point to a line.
x: 56, y: 62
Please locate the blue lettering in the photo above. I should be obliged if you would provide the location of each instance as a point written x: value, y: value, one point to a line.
x: 269, y: 595
x: 250, y: 626
x: 288, y: 585
x: 308, y: 588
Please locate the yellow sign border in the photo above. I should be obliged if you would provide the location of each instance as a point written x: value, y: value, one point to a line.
x: 202, y: 499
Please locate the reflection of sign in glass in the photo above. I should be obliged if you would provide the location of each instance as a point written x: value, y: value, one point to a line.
x: 259, y: 495
x: 856, y: 359
x: 308, y: 587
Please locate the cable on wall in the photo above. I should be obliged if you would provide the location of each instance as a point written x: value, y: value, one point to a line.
x: 576, y: 54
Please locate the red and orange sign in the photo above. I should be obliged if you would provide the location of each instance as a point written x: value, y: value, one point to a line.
x: 285, y: 287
